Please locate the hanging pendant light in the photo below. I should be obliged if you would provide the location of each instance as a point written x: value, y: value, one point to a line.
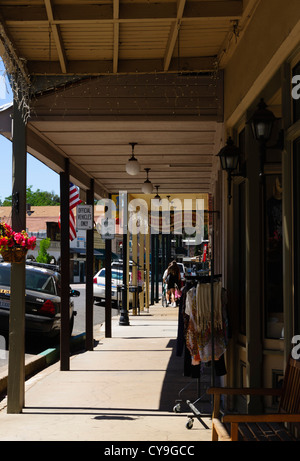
x: 147, y: 187
x: 132, y: 166
x: 157, y: 196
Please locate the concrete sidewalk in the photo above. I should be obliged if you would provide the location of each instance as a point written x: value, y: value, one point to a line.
x: 123, y: 390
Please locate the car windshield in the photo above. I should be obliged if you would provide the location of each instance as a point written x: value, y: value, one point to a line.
x: 35, y: 280
x: 115, y: 275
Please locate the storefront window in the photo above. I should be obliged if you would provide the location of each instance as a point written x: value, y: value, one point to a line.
x: 297, y: 233
x: 273, y: 283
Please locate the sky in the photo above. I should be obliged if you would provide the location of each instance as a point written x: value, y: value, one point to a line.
x: 39, y: 176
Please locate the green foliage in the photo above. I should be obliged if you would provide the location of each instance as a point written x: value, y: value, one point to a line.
x: 43, y: 256
x: 36, y: 198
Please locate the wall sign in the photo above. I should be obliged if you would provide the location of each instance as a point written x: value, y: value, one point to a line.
x: 84, y: 217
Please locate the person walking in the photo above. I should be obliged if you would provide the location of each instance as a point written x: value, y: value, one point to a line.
x: 166, y: 293
x: 173, y: 279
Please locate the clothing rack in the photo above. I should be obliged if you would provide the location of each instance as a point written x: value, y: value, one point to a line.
x: 212, y: 278
x: 208, y: 278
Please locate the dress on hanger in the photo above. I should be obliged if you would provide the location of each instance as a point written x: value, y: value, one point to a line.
x: 199, y: 333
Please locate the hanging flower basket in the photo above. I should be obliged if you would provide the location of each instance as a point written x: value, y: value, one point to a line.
x: 14, y: 245
x: 14, y: 255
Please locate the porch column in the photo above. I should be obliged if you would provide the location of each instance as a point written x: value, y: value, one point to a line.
x: 147, y: 263
x: 124, y: 318
x: 134, y: 268
x: 89, y: 297
x: 65, y: 268
x: 157, y: 268
x: 141, y: 268
x: 287, y: 215
x: 254, y: 305
x: 152, y: 267
x: 108, y: 303
x: 16, y: 360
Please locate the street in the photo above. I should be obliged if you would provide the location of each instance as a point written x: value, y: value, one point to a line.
x: 38, y: 345
x: 79, y: 306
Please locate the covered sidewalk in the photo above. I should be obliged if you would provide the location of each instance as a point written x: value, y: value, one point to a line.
x: 125, y: 390
x: 177, y: 81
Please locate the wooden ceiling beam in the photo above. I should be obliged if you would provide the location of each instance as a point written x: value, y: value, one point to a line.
x: 130, y: 66
x: 173, y: 36
x: 55, y: 29
x: 116, y: 10
x: 128, y: 12
x: 164, y: 159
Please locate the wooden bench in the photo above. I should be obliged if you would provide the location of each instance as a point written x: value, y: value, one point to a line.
x: 264, y: 427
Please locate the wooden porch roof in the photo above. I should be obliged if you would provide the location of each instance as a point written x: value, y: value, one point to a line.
x: 107, y: 73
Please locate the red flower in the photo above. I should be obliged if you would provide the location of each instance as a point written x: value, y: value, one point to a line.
x: 9, y: 238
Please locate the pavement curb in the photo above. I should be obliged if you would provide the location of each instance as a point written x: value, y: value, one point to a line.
x: 44, y: 359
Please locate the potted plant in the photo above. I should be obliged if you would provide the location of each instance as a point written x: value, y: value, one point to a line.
x: 14, y: 245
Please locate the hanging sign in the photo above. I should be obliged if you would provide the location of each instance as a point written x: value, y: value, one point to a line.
x: 84, y: 217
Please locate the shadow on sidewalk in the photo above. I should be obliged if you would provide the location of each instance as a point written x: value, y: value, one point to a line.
x: 177, y: 388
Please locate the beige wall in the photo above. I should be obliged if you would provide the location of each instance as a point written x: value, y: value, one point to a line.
x: 271, y: 37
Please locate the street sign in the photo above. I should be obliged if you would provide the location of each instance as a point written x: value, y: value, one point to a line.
x: 84, y: 217
x: 107, y: 229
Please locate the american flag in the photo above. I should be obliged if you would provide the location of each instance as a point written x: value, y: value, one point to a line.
x: 74, y: 196
x: 74, y: 200
x: 72, y: 230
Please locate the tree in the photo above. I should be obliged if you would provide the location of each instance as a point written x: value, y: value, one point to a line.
x: 43, y: 256
x: 36, y: 198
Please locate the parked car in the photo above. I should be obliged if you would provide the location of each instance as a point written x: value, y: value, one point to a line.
x: 42, y: 301
x: 116, y: 280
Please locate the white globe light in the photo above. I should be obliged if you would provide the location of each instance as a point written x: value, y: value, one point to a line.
x: 132, y: 167
x: 147, y: 187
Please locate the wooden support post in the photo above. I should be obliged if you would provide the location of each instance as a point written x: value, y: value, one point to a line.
x: 65, y: 269
x: 134, y: 269
x: 124, y: 318
x: 108, y: 304
x: 152, y: 267
x: 156, y: 255
x: 141, y: 268
x: 147, y: 282
x: 16, y: 361
x: 127, y: 270
x: 253, y: 273
x: 168, y: 249
x: 89, y: 296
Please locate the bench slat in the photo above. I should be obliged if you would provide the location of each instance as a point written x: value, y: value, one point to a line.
x: 263, y: 427
x: 272, y: 417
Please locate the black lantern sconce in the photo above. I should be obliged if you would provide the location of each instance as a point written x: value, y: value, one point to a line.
x: 262, y: 123
x: 229, y: 158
